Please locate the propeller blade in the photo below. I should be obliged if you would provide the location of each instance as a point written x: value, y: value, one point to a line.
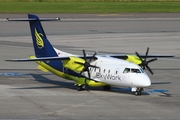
x: 152, y: 60
x: 143, y: 67
x: 87, y: 64
x: 84, y: 53
x: 146, y: 53
x: 144, y: 63
x: 93, y: 56
x: 139, y: 56
x: 149, y: 70
x: 94, y: 66
x: 89, y: 75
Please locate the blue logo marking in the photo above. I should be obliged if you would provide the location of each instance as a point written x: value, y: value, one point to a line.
x: 12, y: 74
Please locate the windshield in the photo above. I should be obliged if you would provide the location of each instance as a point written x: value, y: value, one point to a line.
x: 133, y: 70
x: 142, y: 70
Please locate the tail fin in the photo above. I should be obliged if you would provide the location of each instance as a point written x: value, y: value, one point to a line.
x: 42, y: 46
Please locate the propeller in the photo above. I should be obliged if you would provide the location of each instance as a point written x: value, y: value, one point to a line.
x: 144, y: 62
x: 87, y: 64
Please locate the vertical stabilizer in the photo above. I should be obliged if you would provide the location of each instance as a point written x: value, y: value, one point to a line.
x: 42, y: 46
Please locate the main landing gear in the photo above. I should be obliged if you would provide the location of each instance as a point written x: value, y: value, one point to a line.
x: 107, y: 88
x: 138, y: 91
x: 81, y: 87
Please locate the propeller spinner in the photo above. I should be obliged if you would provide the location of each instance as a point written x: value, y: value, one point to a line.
x: 87, y: 64
x: 144, y: 62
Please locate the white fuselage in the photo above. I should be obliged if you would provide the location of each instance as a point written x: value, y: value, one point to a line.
x: 118, y: 72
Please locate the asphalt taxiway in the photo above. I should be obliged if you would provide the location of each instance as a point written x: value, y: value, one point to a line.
x: 28, y: 93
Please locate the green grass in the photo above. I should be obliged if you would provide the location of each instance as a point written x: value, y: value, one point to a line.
x: 88, y: 7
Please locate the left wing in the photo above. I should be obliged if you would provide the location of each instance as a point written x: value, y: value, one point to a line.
x: 75, y: 63
x: 38, y: 59
x: 49, y: 58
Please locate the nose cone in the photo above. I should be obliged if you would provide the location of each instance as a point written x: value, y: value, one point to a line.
x: 146, y: 82
x: 142, y: 81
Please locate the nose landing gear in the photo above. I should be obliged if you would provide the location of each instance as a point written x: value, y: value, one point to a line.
x: 138, y: 91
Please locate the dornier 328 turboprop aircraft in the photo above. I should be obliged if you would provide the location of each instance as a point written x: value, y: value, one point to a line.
x: 96, y: 70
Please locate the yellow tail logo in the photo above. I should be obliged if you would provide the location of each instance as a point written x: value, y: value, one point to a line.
x: 39, y: 41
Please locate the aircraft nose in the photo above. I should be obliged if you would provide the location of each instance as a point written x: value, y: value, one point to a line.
x: 142, y: 81
x: 145, y: 81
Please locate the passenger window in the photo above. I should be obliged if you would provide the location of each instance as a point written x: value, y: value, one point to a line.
x: 104, y: 70
x: 116, y: 72
x: 126, y: 70
x: 99, y: 70
x: 108, y: 71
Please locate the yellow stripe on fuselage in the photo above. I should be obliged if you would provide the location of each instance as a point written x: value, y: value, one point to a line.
x: 78, y: 80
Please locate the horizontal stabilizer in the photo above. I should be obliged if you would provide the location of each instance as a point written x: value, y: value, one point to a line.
x: 33, y: 19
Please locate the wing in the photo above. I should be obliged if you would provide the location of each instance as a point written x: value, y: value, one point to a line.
x: 48, y: 58
x: 120, y: 56
x: 38, y: 59
x: 75, y: 63
x: 139, y: 56
x: 125, y: 56
x: 140, y: 60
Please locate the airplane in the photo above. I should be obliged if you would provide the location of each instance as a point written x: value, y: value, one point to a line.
x: 88, y: 70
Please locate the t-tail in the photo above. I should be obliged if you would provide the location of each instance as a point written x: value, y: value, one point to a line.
x: 44, y: 51
x: 42, y: 46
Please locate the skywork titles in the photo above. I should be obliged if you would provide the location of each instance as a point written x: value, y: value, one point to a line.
x: 108, y: 76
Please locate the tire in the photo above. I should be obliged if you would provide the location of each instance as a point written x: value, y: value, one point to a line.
x: 107, y: 88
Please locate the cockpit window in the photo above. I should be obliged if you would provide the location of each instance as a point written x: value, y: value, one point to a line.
x: 133, y: 70
x: 126, y: 70
x: 142, y: 70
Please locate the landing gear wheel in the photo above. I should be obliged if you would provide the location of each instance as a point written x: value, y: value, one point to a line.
x: 81, y: 87
x: 138, y: 91
x: 107, y: 88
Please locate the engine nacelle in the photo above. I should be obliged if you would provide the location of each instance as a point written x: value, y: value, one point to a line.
x: 134, y: 59
x: 70, y: 64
